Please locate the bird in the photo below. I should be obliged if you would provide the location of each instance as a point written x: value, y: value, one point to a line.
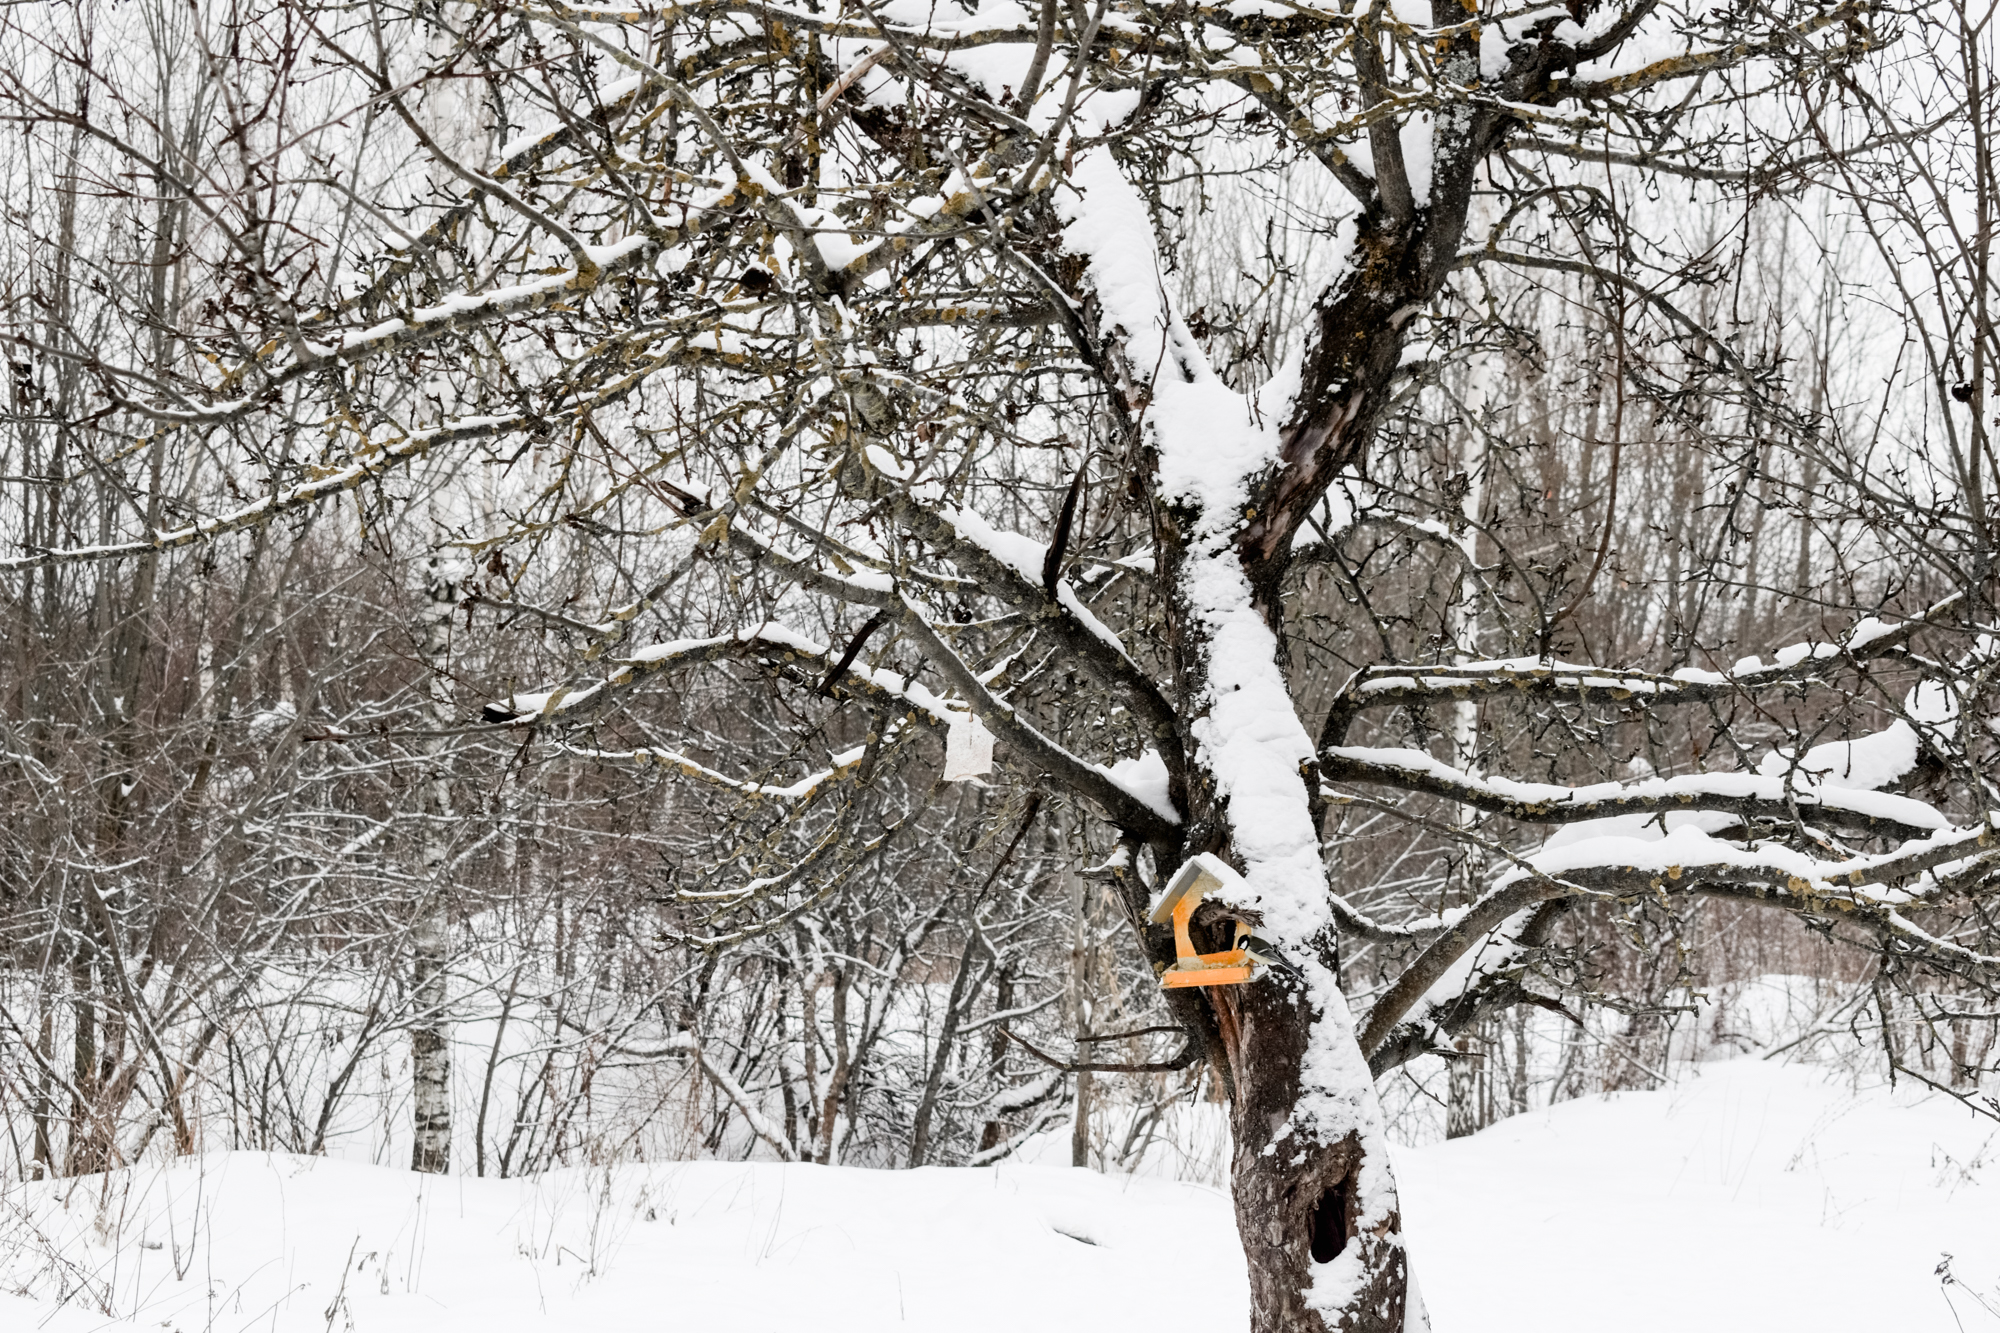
x: 1265, y: 954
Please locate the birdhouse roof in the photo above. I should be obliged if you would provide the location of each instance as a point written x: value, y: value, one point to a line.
x: 1199, y: 875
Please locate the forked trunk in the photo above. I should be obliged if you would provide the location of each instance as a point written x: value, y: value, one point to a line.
x: 1315, y: 1194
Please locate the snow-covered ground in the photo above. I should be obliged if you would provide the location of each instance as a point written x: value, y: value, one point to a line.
x: 1753, y: 1196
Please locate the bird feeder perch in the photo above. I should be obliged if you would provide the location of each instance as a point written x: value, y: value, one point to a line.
x: 1232, y: 967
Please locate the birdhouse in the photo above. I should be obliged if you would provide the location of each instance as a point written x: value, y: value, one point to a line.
x: 1190, y: 884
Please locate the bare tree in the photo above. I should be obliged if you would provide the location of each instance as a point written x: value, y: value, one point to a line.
x: 783, y: 330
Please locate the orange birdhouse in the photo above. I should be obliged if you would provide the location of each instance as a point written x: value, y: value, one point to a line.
x: 1190, y: 884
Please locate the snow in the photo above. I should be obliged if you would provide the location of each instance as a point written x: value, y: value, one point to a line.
x: 277, y: 1242
x: 1839, y: 776
x: 1642, y: 827
x: 268, y: 722
x: 1865, y: 634
x: 1865, y: 764
x: 1212, y: 446
x: 1228, y: 887
x: 1419, y: 153
x: 607, y: 95
x: 1667, y: 853
x: 1503, y: 31
x: 1144, y: 777
x: 1750, y: 1197
x: 379, y: 459
x: 1932, y: 704
x: 672, y: 648
x: 612, y: 256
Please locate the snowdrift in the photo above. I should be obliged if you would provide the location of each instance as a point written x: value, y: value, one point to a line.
x: 1752, y: 1197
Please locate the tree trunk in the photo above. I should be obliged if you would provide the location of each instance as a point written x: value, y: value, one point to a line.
x: 1079, y: 1125
x: 45, y: 1090
x: 429, y: 1049
x: 430, y: 1035
x: 995, y: 1130
x: 1318, y: 1213
x: 1461, y: 1102
x: 89, y: 1151
x: 836, y: 1083
x: 1517, y: 1083
x: 920, y: 1128
x: 1082, y: 995
x: 1318, y: 1217
x: 1315, y: 1196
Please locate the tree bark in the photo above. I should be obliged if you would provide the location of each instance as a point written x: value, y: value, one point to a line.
x: 430, y: 1037
x: 86, y: 1152
x: 1315, y: 1197
x: 1082, y: 996
x: 1318, y: 1255
x: 44, y: 1087
x: 995, y: 1130
x: 1461, y: 1101
x: 836, y: 1083
x: 920, y: 1128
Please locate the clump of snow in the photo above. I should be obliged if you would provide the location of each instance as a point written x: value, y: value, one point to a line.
x: 1640, y: 828
x: 1932, y: 704
x: 268, y: 722
x: 1145, y: 776
x: 1880, y: 759
x: 1417, y: 138
x: 1813, y: 784
x: 1866, y: 764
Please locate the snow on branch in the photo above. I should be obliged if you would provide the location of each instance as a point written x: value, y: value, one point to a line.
x: 760, y: 1125
x: 1004, y: 565
x: 1131, y: 793
x: 778, y: 645
x: 1622, y: 860
x: 1866, y: 891
x: 374, y: 461
x: 1751, y: 797
x: 1793, y: 665
x: 1438, y: 960
x: 804, y: 789
x: 1696, y: 64
x: 942, y: 30
x: 1122, y: 805
x: 456, y: 313
x: 1008, y: 565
